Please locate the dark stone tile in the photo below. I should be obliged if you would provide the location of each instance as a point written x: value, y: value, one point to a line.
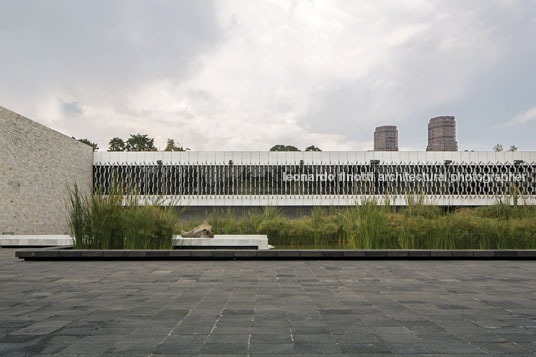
x: 362, y: 348
x: 276, y: 307
x: 221, y: 348
x: 409, y: 348
x: 232, y: 330
x: 235, y: 338
x: 238, y: 312
x: 518, y: 337
x: 502, y: 348
x: 447, y: 347
x: 270, y: 339
x: 316, y: 348
x: 310, y: 330
x: 273, y: 348
x: 325, y: 338
x: 175, y: 348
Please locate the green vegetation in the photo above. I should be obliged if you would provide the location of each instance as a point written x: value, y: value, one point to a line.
x: 281, y: 147
x: 499, y: 148
x: 373, y: 226
x: 118, y: 221
x: 87, y: 142
x: 116, y: 144
x: 172, y: 147
x: 141, y: 142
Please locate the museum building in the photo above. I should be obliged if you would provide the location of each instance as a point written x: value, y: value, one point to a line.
x: 335, y: 178
x: 38, y: 166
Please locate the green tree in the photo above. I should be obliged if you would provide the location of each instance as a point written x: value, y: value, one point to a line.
x: 172, y: 147
x: 498, y: 147
x: 116, y: 144
x: 87, y: 142
x: 284, y: 148
x: 512, y: 148
x: 140, y: 142
x: 312, y: 148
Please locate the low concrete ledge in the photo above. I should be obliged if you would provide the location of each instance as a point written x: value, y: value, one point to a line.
x: 41, y: 240
x: 272, y: 254
x: 226, y: 242
x: 232, y: 241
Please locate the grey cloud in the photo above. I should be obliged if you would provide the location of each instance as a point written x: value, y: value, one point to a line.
x: 102, y: 43
x: 73, y: 108
x: 238, y: 74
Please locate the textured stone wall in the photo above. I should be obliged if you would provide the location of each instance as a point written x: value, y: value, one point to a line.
x: 37, y: 165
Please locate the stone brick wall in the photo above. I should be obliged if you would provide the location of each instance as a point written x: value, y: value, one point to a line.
x: 37, y: 165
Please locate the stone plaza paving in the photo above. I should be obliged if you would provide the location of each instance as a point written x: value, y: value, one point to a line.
x: 266, y: 307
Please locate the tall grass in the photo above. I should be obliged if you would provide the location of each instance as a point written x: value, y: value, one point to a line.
x: 117, y: 220
x: 374, y: 226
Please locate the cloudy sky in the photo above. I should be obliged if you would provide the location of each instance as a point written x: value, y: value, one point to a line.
x: 245, y: 75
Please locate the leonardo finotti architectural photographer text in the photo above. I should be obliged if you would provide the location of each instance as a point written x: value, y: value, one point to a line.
x: 405, y: 177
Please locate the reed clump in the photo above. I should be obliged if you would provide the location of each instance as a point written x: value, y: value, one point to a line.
x: 372, y: 225
x: 118, y: 220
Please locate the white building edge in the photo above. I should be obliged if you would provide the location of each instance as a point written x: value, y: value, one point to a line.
x: 524, y: 162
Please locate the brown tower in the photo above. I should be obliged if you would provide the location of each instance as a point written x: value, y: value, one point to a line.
x: 386, y: 138
x: 442, y: 134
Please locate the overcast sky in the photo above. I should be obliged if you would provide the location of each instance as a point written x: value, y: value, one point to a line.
x: 245, y: 75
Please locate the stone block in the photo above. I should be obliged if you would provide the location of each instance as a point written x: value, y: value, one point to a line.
x: 179, y: 253
x: 272, y: 253
x: 441, y: 253
x: 288, y: 253
x: 223, y: 253
x: 92, y: 253
x: 397, y: 253
x: 505, y: 253
x: 201, y: 253
x: 135, y: 253
x: 463, y: 253
x: 373, y: 253
x: 332, y: 253
x: 310, y: 253
x: 357, y: 253
x: 484, y: 253
x: 245, y: 253
x: 157, y: 253
x: 526, y: 253
x: 419, y: 253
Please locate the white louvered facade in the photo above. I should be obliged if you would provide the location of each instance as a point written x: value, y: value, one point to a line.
x: 339, y: 178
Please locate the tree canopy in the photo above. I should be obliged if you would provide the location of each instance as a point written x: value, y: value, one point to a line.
x: 90, y: 143
x: 172, y: 147
x: 116, y: 144
x: 140, y: 142
x: 499, y: 148
x: 312, y: 148
x: 281, y: 147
